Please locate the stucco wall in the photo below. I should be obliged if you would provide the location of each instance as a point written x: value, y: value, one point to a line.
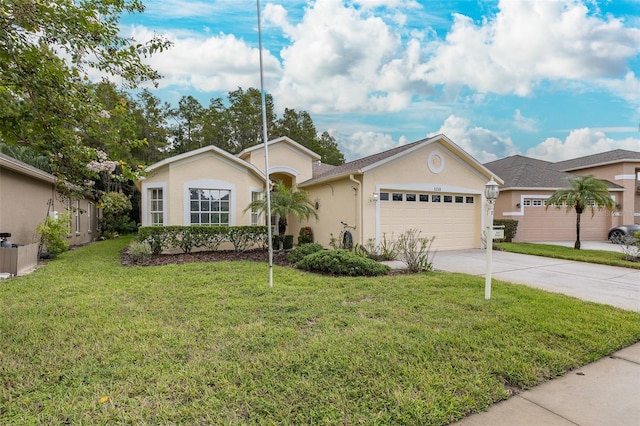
x: 207, y: 170
x: 535, y: 223
x: 284, y: 158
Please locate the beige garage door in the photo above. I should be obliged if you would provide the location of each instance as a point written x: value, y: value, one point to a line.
x: 454, y: 219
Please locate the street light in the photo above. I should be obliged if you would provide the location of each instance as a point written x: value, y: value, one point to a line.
x: 491, y: 192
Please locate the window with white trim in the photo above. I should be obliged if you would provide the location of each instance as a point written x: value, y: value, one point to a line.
x: 77, y: 216
x: 255, y: 214
x: 209, y: 206
x: 89, y: 216
x: 156, y: 207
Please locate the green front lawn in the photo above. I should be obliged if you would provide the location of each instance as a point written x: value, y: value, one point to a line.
x: 87, y: 341
x: 602, y: 257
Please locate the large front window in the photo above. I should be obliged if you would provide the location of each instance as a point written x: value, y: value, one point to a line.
x: 209, y: 206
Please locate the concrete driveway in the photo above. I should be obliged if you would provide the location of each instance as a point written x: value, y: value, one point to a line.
x: 608, y: 285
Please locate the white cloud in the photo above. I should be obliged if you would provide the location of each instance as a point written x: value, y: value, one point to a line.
x: 362, y: 144
x: 343, y: 58
x: 483, y: 144
x: 531, y: 41
x: 524, y: 123
x: 580, y: 142
x: 209, y: 64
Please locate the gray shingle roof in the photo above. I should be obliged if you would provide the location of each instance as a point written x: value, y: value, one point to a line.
x: 323, y: 172
x: 524, y: 172
x: 614, y: 156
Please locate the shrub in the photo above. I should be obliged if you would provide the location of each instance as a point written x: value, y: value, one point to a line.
x: 287, y: 242
x: 342, y: 262
x: 415, y: 251
x: 115, y: 214
x: 630, y: 245
x: 305, y: 236
x: 510, y: 229
x: 54, y: 233
x: 188, y: 237
x: 300, y: 252
x: 139, y: 250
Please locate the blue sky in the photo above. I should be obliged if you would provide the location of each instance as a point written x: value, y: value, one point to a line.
x: 551, y: 79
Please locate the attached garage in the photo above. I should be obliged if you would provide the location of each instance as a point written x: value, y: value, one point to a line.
x: 453, y: 218
x: 431, y: 185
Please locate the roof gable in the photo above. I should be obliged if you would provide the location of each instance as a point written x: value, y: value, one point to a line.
x: 214, y: 150
x: 283, y: 139
x: 524, y: 172
x: 370, y: 162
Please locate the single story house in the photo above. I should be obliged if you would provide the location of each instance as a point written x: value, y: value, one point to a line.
x: 28, y: 195
x: 431, y: 185
x: 529, y: 182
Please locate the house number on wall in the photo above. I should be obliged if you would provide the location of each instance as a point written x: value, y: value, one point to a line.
x: 437, y: 189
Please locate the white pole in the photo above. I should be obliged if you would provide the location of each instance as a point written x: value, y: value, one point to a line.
x: 489, y: 238
x: 265, y: 139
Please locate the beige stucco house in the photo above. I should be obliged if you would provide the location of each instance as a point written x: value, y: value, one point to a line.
x: 28, y: 195
x: 431, y: 185
x: 529, y: 182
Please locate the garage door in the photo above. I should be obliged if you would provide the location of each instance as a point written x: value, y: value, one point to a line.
x: 454, y: 219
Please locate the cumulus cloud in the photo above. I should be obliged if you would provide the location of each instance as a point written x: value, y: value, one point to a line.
x: 524, y: 123
x: 531, y: 41
x: 208, y: 64
x: 578, y: 143
x: 483, y: 144
x: 343, y: 58
x: 362, y: 144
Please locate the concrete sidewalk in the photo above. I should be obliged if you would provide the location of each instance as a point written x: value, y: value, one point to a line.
x: 604, y: 393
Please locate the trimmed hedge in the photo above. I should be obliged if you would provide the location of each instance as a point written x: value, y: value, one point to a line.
x: 187, y: 238
x: 342, y: 262
x: 300, y: 252
x: 510, y: 229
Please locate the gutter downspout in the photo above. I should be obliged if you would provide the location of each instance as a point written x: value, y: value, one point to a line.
x: 358, y: 208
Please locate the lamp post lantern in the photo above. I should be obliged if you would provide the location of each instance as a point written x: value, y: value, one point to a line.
x: 491, y: 191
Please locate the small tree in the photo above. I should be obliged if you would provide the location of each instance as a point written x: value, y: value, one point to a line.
x: 584, y: 192
x: 285, y: 201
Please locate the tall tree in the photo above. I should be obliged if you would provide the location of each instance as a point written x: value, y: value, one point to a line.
x: 216, y: 129
x: 329, y: 151
x: 584, y: 192
x: 43, y: 98
x: 298, y: 126
x: 245, y: 118
x: 151, y: 115
x: 187, y: 131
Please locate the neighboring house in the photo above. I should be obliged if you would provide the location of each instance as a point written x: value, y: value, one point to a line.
x: 529, y: 182
x: 431, y: 185
x: 28, y: 194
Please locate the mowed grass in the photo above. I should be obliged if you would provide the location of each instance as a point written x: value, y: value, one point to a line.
x: 87, y: 341
x: 602, y: 257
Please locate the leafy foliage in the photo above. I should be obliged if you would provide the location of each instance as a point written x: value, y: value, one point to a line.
x: 284, y: 202
x: 415, y: 251
x: 139, y: 250
x: 298, y: 253
x: 305, y: 236
x: 584, y: 192
x: 510, y: 228
x: 115, y: 214
x: 54, y: 231
x: 342, y: 262
x: 187, y: 238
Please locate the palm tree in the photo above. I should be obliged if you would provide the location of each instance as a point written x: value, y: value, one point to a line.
x: 285, y: 201
x: 584, y: 192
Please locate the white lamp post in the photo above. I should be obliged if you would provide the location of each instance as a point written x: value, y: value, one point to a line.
x: 491, y: 192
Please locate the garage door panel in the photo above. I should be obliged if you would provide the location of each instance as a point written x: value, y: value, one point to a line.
x: 455, y: 225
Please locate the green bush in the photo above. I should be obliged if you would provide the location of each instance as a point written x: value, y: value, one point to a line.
x: 510, y: 229
x: 115, y: 214
x: 415, y: 251
x: 54, y: 233
x: 210, y: 237
x: 287, y: 242
x: 342, y: 262
x: 139, y: 250
x: 305, y: 236
x: 300, y: 252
